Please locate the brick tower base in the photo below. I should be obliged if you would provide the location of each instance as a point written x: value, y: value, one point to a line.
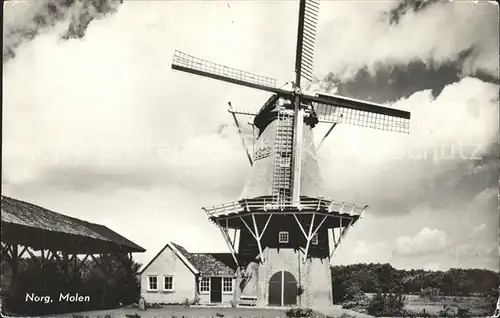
x: 313, y: 275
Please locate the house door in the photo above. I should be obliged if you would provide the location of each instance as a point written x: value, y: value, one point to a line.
x: 282, y: 289
x: 216, y: 289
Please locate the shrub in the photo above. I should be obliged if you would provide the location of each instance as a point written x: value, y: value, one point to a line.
x: 195, y: 301
x: 353, y: 292
x: 429, y: 293
x: 447, y: 312
x: 390, y: 304
x: 153, y: 305
x: 186, y: 303
x: 356, y: 304
x: 234, y: 303
x: 300, y: 290
x: 354, y: 297
x: 299, y: 312
x: 463, y: 312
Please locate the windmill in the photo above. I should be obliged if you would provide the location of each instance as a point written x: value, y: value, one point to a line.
x: 284, y: 233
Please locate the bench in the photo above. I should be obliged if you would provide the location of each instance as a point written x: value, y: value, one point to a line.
x: 248, y: 300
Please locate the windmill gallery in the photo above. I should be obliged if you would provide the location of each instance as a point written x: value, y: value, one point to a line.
x: 280, y: 251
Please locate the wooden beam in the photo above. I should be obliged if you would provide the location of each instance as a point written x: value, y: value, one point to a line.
x: 240, y: 133
x: 23, y: 251
x: 255, y: 235
x: 308, y: 238
x: 342, y: 235
x: 300, y: 225
x: 227, y: 240
x: 297, y: 151
x: 258, y: 238
x: 248, y: 227
x: 265, y: 226
x: 326, y: 135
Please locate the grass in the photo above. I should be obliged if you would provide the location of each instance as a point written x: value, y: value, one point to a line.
x: 206, y: 312
x: 180, y: 312
x: 478, y: 306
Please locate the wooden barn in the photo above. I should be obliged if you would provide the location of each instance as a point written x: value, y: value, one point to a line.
x: 46, y: 238
x: 175, y: 275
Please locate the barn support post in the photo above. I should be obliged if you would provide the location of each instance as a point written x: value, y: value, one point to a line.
x: 128, y: 270
x: 15, y: 266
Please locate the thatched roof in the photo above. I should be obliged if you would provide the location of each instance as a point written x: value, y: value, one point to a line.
x: 28, y: 224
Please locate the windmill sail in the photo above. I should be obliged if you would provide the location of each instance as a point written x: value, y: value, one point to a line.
x: 342, y: 110
x: 190, y: 64
x: 308, y: 21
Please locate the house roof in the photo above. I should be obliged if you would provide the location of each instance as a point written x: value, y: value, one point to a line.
x: 203, y: 264
x: 28, y: 224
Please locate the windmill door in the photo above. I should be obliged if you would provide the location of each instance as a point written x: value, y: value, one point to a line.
x: 216, y: 289
x: 282, y: 289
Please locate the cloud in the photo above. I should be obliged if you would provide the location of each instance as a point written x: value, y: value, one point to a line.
x: 109, y: 130
x: 371, y: 42
x: 371, y: 251
x: 477, y: 230
x: 25, y: 20
x: 448, y: 134
x: 427, y: 241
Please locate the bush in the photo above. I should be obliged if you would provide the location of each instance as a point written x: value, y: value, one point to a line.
x: 195, y: 301
x: 354, y: 297
x: 429, y: 293
x: 300, y: 290
x: 353, y: 292
x: 299, y: 312
x: 390, y: 304
x: 447, y: 312
x: 234, y: 303
x: 357, y: 304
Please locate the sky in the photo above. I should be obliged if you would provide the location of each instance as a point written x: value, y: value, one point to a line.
x: 97, y: 126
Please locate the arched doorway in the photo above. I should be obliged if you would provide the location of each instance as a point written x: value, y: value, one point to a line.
x: 282, y: 289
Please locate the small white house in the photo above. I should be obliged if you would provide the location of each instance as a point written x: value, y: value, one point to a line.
x: 174, y: 275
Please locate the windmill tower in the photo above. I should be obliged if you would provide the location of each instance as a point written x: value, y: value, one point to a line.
x: 285, y: 233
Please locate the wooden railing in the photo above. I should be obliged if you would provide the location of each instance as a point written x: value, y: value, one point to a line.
x: 267, y: 204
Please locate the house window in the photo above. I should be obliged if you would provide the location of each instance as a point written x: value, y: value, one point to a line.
x: 283, y: 237
x: 314, y: 240
x: 168, y: 283
x: 153, y: 283
x: 205, y: 285
x: 227, y: 285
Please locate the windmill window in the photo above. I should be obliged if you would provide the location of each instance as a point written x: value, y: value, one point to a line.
x: 205, y: 285
x: 314, y: 240
x: 168, y: 283
x: 227, y: 285
x: 152, y: 283
x: 283, y: 237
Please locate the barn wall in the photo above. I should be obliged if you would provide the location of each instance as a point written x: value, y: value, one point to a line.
x: 167, y: 263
